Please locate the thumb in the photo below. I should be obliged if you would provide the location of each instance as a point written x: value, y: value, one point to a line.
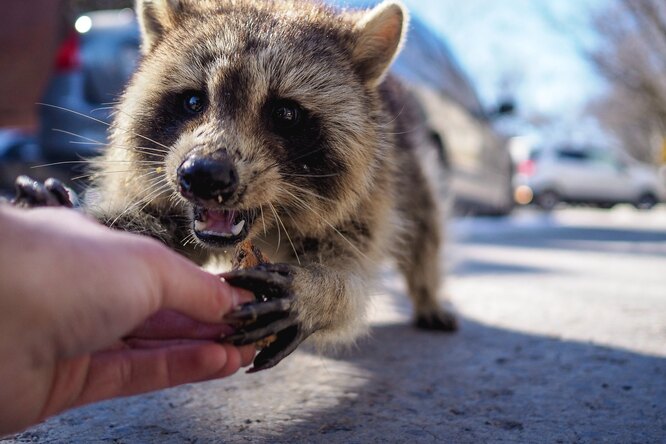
x: 186, y: 288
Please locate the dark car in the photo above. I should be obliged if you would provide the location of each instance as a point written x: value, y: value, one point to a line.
x: 92, y: 66
x: 18, y: 150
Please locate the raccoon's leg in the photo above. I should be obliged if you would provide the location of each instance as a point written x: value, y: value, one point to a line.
x: 52, y: 193
x: 419, y: 261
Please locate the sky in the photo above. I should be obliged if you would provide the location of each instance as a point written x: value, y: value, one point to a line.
x: 525, y: 43
x: 523, y: 49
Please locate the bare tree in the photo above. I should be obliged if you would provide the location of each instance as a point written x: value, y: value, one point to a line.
x: 631, y: 56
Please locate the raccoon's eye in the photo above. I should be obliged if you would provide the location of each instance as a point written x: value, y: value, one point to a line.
x: 286, y: 116
x: 194, y: 102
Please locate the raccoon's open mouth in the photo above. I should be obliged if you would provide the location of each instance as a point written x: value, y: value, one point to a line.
x: 220, y: 227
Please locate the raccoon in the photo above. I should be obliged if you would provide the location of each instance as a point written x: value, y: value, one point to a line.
x: 277, y: 122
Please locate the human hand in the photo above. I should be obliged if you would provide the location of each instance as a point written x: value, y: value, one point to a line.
x: 88, y: 313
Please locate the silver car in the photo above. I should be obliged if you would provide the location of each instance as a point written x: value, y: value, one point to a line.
x: 586, y: 175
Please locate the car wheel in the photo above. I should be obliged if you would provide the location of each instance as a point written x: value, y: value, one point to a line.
x: 547, y: 200
x: 606, y: 205
x: 646, y: 201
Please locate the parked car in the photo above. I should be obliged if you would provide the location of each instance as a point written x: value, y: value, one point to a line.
x: 586, y: 175
x: 477, y: 156
x: 21, y: 154
x: 93, y: 67
x: 18, y: 149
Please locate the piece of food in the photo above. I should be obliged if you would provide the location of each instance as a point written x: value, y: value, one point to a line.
x: 247, y: 255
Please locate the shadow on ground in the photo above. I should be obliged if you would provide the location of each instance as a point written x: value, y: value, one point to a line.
x: 483, y: 384
x: 576, y: 238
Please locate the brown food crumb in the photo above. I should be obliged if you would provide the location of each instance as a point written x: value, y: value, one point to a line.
x: 263, y: 343
x: 247, y: 255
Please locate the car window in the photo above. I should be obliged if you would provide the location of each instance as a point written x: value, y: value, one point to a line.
x: 109, y: 58
x: 606, y: 158
x: 573, y: 155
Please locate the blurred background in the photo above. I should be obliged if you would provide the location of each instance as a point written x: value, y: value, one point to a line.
x: 550, y: 119
x: 528, y: 103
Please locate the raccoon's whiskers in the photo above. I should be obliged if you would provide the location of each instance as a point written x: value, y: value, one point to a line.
x: 263, y: 222
x: 109, y: 162
x: 153, y: 191
x: 140, y: 162
x: 189, y: 239
x: 308, y: 207
x: 291, y: 217
x: 409, y: 131
x: 276, y: 218
x: 74, y: 142
x: 293, y: 248
x: 266, y: 168
x: 106, y: 173
x: 309, y: 153
x: 101, y: 174
x: 163, y: 188
x: 103, y: 108
x: 394, y: 118
x: 311, y: 193
x: 144, y: 202
x: 141, y: 149
x: 103, y: 123
x: 309, y: 175
x: 173, y: 199
x: 69, y: 133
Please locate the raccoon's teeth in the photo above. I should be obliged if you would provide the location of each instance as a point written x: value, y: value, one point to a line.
x: 219, y: 199
x: 199, y: 226
x: 236, y: 229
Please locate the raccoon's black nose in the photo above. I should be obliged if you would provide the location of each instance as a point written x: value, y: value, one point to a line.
x: 207, y: 178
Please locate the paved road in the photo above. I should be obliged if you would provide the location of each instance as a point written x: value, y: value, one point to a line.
x: 563, y: 340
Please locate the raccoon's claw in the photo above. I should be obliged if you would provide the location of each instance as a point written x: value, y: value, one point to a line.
x: 286, y: 342
x: 31, y: 193
x: 251, y: 312
x: 439, y: 320
x: 272, y: 315
x: 266, y: 281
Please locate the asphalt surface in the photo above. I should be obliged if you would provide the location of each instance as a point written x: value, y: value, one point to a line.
x: 563, y: 339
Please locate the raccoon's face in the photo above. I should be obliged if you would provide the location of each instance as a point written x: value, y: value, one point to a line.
x: 259, y: 115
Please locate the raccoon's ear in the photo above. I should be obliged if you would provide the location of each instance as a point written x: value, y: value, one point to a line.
x: 156, y: 17
x: 380, y: 35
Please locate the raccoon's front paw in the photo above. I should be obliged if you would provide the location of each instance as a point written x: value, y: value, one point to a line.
x: 31, y: 193
x: 272, y: 315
